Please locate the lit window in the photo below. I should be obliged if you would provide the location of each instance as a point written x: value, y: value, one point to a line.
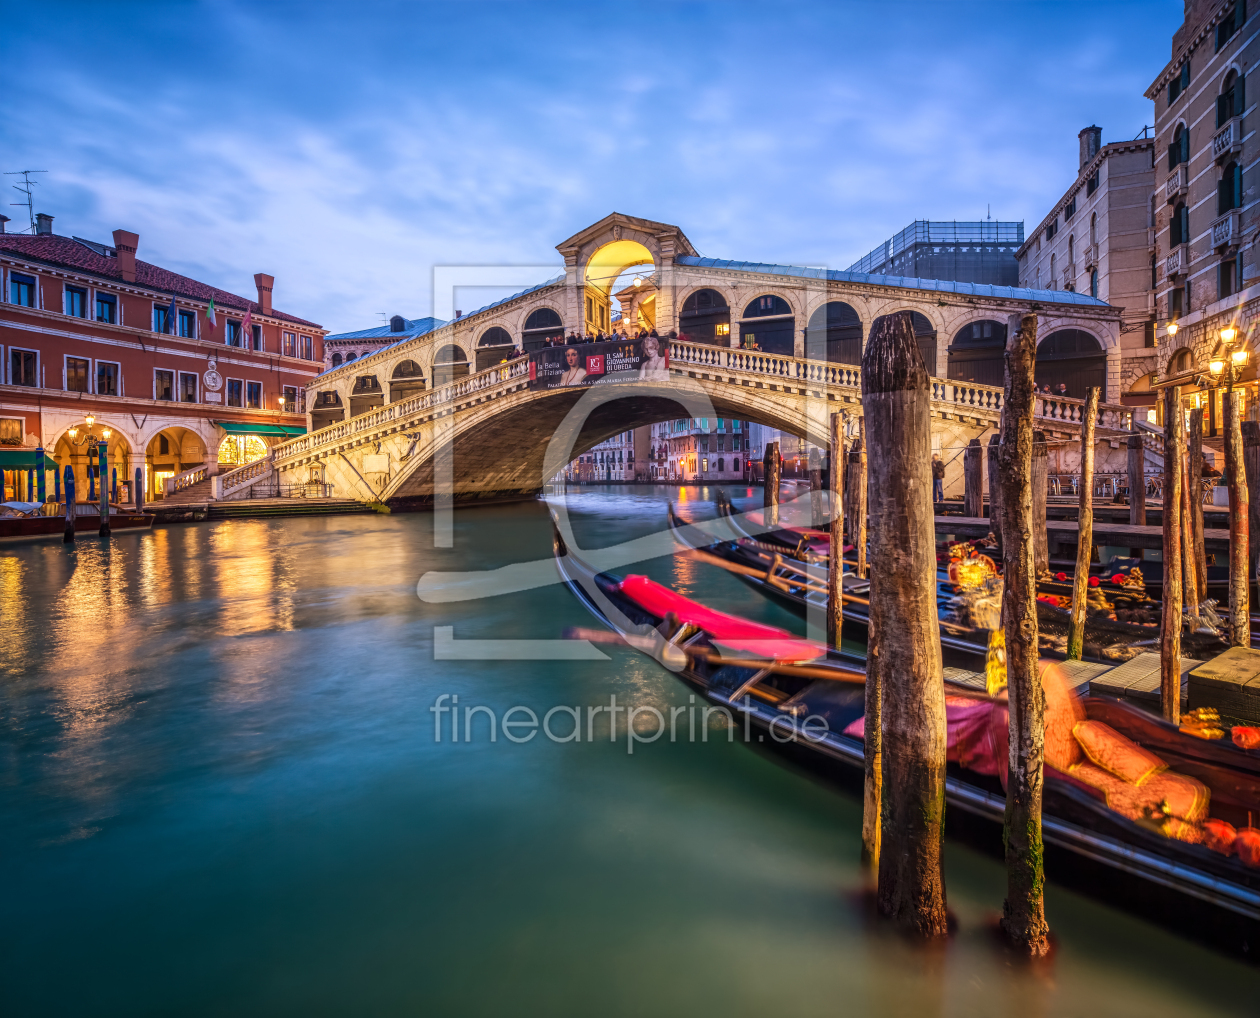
x: 234, y: 392
x: 164, y: 385
x: 290, y: 345
x: 187, y: 387
x: 23, y: 367
x: 305, y: 347
x: 76, y: 374
x: 107, y: 378
x: 253, y: 395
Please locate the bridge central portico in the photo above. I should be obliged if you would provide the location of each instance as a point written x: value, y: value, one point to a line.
x: 775, y: 345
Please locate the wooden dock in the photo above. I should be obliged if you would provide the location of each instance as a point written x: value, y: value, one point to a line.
x: 1063, y: 533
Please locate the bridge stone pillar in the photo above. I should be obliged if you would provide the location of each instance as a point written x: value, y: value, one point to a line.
x: 666, y: 290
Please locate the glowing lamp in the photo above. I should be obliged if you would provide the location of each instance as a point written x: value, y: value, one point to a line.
x: 105, y: 434
x: 1216, y: 366
x: 1228, y: 333
x: 1172, y: 328
x: 74, y: 432
x: 1239, y: 357
x: 90, y: 420
x: 638, y: 281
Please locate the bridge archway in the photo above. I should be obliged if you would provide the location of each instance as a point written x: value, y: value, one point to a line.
x: 544, y: 327
x: 449, y: 364
x: 834, y: 333
x: 494, y: 345
x: 1074, y: 358
x: 407, y: 379
x: 326, y: 408
x: 366, y: 394
x: 605, y: 268
x: 769, y: 323
x: 705, y: 318
x: 977, y: 353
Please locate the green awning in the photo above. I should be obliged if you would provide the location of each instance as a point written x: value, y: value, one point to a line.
x: 283, y: 430
x: 24, y: 459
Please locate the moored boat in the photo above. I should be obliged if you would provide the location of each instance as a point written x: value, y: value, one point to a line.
x: 31, y: 520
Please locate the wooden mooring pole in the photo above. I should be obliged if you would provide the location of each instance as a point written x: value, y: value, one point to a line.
x: 1170, y: 624
x: 995, y: 486
x: 1023, y: 914
x: 772, y: 464
x: 1194, y: 496
x: 1239, y: 520
x: 817, y: 517
x: 835, y: 558
x: 1137, y: 486
x: 973, y: 479
x: 70, y: 507
x: 1251, y: 467
x: 139, y: 490
x: 857, y: 491
x: 904, y: 642
x: 1040, y: 480
x: 1085, y: 528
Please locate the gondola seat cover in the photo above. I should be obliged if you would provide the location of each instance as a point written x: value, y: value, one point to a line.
x: 728, y: 630
x: 1108, y: 749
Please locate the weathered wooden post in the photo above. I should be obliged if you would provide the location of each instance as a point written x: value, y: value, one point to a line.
x: 139, y: 490
x: 904, y: 643
x: 70, y: 509
x: 1170, y: 624
x: 995, y: 486
x: 1085, y: 528
x: 973, y: 479
x: 771, y: 466
x: 1137, y: 483
x: 103, y: 474
x: 815, y: 489
x: 41, y: 477
x: 856, y: 489
x: 1239, y: 517
x: 1194, y: 495
x: 1040, y: 480
x: 1251, y: 467
x: 1024, y: 914
x: 835, y: 556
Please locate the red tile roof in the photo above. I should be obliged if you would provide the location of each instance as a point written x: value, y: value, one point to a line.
x: 64, y: 252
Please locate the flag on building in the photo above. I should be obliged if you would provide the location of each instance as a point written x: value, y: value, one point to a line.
x: 171, y: 329
x: 247, y: 330
x: 210, y: 314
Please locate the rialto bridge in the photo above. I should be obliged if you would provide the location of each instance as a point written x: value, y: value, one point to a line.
x: 419, y: 417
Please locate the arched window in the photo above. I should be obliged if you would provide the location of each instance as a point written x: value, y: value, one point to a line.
x: 1229, y: 103
x: 1179, y: 150
x: 977, y: 353
x: 1053, y: 274
x: 542, y: 327
x: 835, y: 329
x: 925, y: 336
x: 349, y: 357
x: 705, y: 318
x: 1093, y: 283
x: 778, y: 335
x: 1072, y: 358
x: 1229, y: 189
x: 1071, y: 249
x: 1180, y: 362
x: 406, y: 380
x: 494, y: 346
x: 336, y: 360
x: 450, y: 363
x: 1179, y: 226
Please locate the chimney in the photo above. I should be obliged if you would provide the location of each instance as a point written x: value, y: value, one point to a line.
x: 459, y: 314
x: 398, y: 324
x: 43, y: 223
x: 264, y: 283
x: 3, y: 219
x: 125, y: 244
x: 1091, y: 142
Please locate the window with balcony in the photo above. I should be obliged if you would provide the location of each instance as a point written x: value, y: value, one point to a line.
x: 164, y: 385
x: 23, y: 367
x: 1229, y: 189
x: 1229, y: 103
x: 290, y: 400
x: 106, y: 308
x: 1179, y: 225
x: 253, y: 395
x: 75, y: 302
x: 1226, y: 27
x: 21, y: 290
x: 235, y: 392
x: 188, y: 387
x: 1179, y: 150
x: 77, y: 374
x: 107, y: 375
x: 188, y: 324
x: 1179, y: 84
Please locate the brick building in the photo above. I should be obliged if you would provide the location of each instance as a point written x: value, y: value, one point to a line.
x: 88, y: 329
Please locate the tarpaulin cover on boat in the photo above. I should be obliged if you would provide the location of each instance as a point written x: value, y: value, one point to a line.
x: 23, y: 459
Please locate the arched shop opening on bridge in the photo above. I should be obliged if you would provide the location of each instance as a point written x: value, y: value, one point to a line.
x: 978, y: 354
x: 450, y: 363
x: 705, y: 318
x: 366, y: 394
x: 622, y: 269
x: 834, y: 334
x: 768, y: 325
x: 170, y: 452
x: 1074, y: 358
x: 544, y: 327
x: 327, y: 409
x: 406, y: 380
x: 495, y: 345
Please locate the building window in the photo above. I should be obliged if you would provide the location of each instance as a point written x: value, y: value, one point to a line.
x: 253, y: 395
x: 234, y: 392
x: 336, y: 360
x: 1053, y: 281
x: 1226, y: 27
x: 164, y: 445
x: 106, y: 308
x: 11, y: 429
x: 1229, y: 189
x: 1149, y: 334
x: 1179, y: 150
x: 255, y: 338
x: 1071, y: 249
x: 1093, y: 283
x: 231, y: 332
x: 1179, y: 84
x: 76, y: 302
x: 1174, y: 303
x: 161, y: 318
x: 1091, y: 185
x: 290, y: 345
x: 164, y: 385
x: 1069, y: 210
x: 77, y: 374
x: 23, y: 367
x: 1179, y: 227
x: 305, y: 347
x: 1225, y: 278
x: 1154, y: 272
x: 1052, y: 229
x: 188, y: 324
x: 1093, y: 228
x: 21, y: 290
x: 188, y: 387
x: 1230, y: 103
x: 107, y: 378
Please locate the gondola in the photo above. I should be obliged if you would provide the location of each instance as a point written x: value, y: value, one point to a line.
x: 771, y: 681
x: 21, y: 521
x: 789, y: 565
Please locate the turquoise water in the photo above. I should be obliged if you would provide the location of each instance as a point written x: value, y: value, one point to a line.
x: 220, y: 792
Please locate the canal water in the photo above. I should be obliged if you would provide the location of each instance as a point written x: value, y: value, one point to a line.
x: 221, y: 793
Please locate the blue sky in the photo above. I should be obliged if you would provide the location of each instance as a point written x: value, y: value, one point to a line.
x: 348, y: 148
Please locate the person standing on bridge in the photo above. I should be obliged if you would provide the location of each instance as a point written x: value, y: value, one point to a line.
x: 938, y: 478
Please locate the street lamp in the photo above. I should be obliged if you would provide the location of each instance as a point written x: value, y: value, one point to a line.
x: 1228, y: 368
x: 1172, y: 328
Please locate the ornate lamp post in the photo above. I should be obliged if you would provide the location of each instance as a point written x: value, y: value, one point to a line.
x: 102, y: 451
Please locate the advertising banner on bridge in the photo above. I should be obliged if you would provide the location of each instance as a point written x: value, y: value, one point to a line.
x: 556, y: 367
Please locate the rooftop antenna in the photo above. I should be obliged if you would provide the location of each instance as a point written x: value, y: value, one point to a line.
x: 988, y: 212
x: 25, y: 188
x: 384, y: 317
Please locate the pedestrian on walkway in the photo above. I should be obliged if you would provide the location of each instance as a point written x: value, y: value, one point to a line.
x: 938, y: 478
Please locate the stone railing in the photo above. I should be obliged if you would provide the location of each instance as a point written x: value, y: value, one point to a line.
x: 1072, y: 411
x: 1227, y: 140
x: 236, y: 483
x: 190, y: 477
x: 1177, y: 183
x: 1172, y: 264
x: 1225, y: 230
x: 404, y: 408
